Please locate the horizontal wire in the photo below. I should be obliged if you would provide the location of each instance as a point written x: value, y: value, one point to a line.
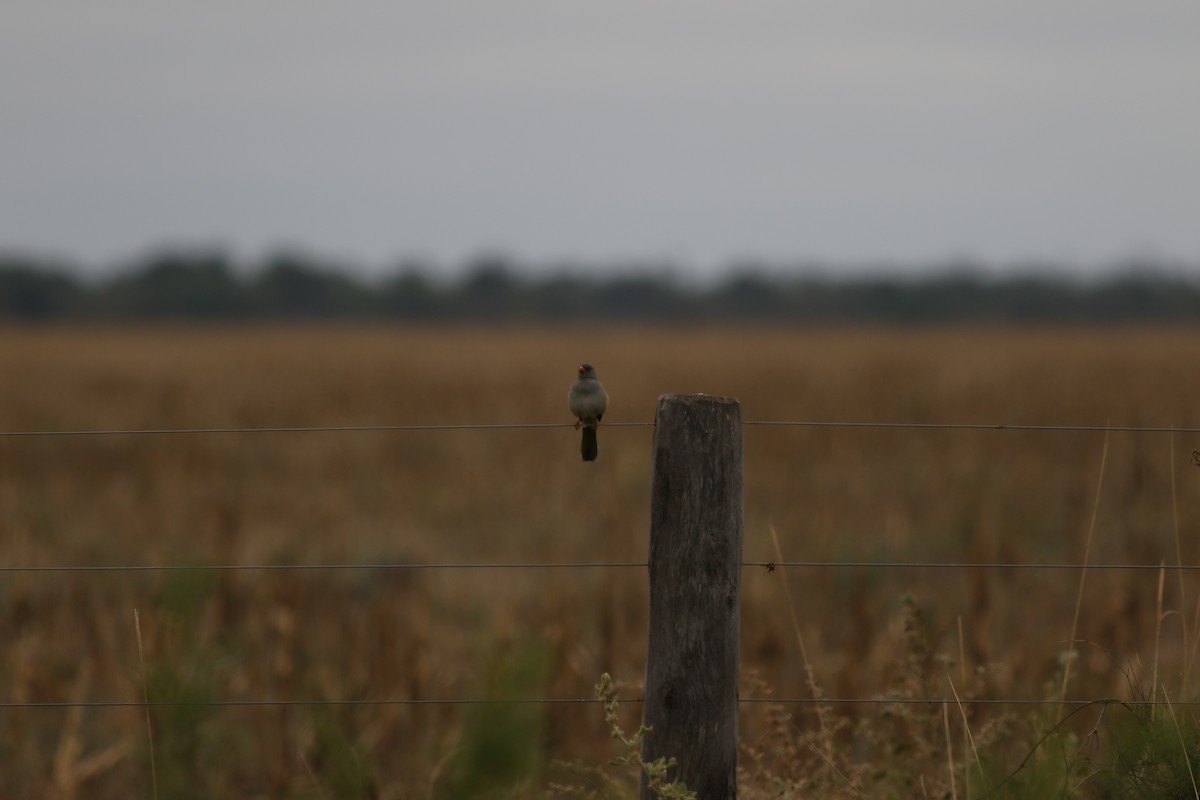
x: 770, y: 565
x: 979, y: 426
x: 587, y: 565
x: 252, y: 703
x: 908, y: 701
x: 315, y: 567
x: 316, y: 429
x: 886, y: 701
x: 983, y: 426
x: 767, y: 565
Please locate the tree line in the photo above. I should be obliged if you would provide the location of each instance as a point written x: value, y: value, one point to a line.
x: 211, y: 286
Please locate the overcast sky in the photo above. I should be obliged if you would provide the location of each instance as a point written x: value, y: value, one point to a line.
x: 692, y: 132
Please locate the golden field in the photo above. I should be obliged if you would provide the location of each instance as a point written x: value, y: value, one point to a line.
x: 522, y: 495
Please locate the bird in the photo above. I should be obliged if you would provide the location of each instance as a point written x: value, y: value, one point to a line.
x: 588, y: 401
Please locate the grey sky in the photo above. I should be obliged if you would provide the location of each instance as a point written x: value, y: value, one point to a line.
x: 695, y: 132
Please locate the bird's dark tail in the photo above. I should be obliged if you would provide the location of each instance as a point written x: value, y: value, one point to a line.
x: 590, y: 447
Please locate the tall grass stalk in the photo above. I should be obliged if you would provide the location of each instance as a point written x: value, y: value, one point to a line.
x: 137, y: 624
x: 1158, y: 618
x: 949, y: 750
x: 966, y: 732
x: 1087, y: 552
x: 1183, y: 623
x: 810, y: 674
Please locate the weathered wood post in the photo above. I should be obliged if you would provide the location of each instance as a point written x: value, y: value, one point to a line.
x: 695, y: 566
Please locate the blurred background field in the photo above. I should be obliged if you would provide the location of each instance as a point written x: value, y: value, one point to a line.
x: 522, y: 495
x: 427, y: 214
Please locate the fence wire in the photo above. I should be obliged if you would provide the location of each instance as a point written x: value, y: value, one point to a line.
x: 317, y: 429
x: 767, y: 566
x: 567, y: 701
x: 946, y: 426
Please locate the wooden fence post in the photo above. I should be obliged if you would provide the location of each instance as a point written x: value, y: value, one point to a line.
x: 695, y: 567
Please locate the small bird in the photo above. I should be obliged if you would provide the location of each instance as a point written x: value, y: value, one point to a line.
x: 588, y: 401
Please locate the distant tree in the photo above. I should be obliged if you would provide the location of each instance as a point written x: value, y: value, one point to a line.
x: 563, y: 296
x: 1140, y: 293
x: 205, y: 285
x: 30, y: 290
x: 491, y: 290
x: 175, y: 284
x: 411, y: 294
x: 748, y: 294
x: 644, y: 296
x: 290, y: 286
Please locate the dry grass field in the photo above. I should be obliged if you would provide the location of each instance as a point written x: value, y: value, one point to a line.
x: 831, y: 494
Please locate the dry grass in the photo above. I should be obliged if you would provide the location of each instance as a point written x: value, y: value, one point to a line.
x: 832, y: 494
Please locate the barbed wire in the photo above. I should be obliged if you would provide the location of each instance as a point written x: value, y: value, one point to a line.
x: 768, y: 566
x: 982, y: 426
x: 317, y: 567
x: 471, y: 426
x: 961, y: 565
x: 477, y: 701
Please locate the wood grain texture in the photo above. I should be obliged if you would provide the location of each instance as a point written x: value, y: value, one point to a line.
x: 695, y: 557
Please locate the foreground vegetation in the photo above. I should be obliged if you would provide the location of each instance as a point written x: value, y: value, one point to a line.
x: 518, y: 495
